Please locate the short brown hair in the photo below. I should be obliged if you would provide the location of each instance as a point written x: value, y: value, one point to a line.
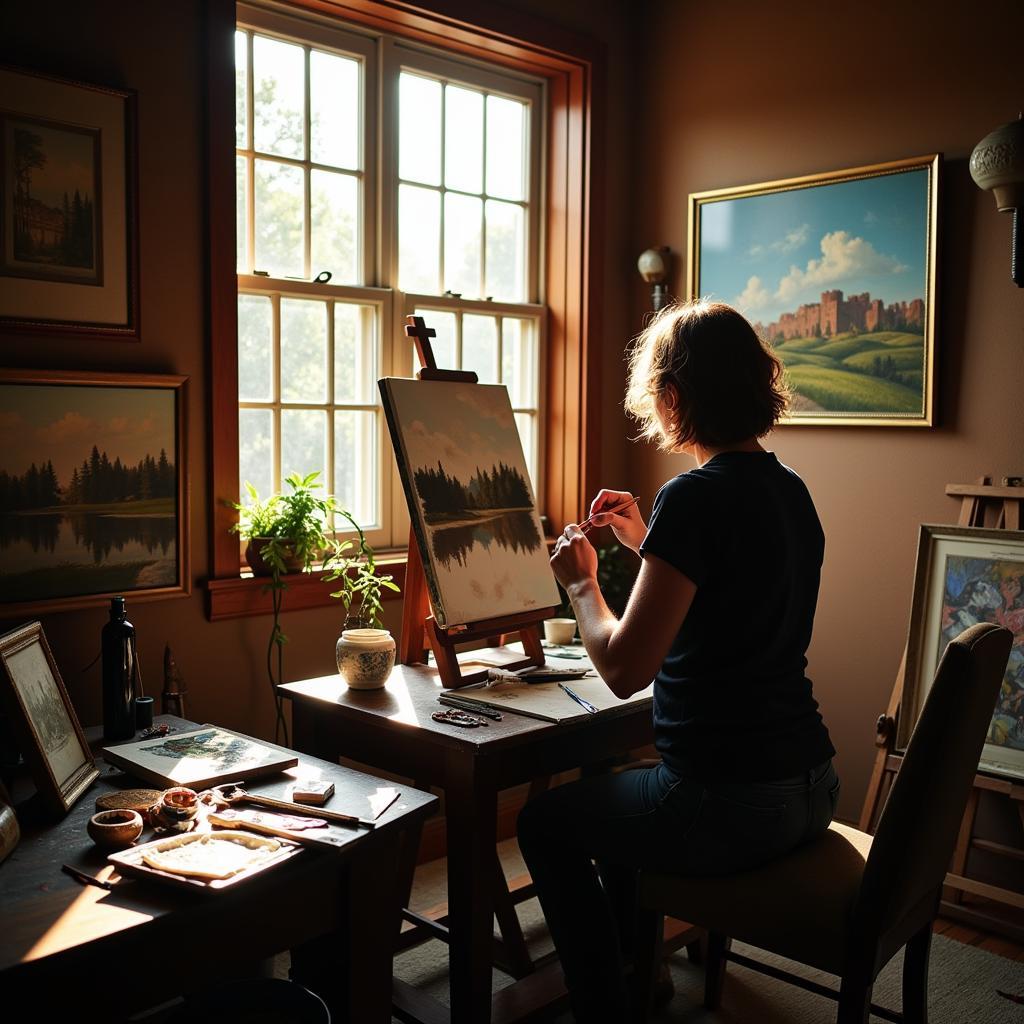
x: 730, y: 384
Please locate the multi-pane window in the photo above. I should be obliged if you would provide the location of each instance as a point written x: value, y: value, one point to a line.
x: 425, y: 202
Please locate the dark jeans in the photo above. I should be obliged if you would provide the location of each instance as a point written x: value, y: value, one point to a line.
x: 649, y: 818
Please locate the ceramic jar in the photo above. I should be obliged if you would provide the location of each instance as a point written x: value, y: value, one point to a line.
x: 365, y: 657
x: 115, y: 830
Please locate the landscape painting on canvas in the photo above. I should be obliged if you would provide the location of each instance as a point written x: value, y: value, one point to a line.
x: 470, y: 499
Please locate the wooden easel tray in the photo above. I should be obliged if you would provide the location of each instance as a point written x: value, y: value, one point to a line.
x: 129, y: 862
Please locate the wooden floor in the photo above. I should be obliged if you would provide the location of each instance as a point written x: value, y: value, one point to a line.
x: 983, y: 940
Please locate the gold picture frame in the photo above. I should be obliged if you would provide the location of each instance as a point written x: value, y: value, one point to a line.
x: 837, y: 272
x: 965, y: 575
x: 45, y: 723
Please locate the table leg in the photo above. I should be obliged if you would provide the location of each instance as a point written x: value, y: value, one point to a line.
x: 471, y: 812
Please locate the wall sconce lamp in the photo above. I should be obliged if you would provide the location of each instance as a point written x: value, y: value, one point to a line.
x: 653, y: 266
x: 997, y: 163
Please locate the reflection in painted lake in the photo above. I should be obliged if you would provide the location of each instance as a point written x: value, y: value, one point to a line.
x: 514, y: 531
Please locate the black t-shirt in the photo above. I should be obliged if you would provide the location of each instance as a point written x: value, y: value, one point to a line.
x: 731, y: 701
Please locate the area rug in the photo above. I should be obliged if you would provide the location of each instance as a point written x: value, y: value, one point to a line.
x: 963, y: 980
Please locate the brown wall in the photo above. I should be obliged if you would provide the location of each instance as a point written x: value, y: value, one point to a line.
x: 731, y: 97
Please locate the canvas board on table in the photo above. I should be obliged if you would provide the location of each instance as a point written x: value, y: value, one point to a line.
x: 199, y: 758
x: 470, y: 499
x: 967, y: 575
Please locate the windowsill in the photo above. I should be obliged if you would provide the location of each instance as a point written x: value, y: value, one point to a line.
x: 243, y: 595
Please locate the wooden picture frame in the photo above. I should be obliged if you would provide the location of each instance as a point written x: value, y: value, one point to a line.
x: 966, y: 575
x: 94, y: 489
x: 69, y: 251
x: 45, y: 722
x: 837, y: 272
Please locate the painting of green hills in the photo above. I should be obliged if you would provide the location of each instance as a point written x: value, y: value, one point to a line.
x: 877, y: 372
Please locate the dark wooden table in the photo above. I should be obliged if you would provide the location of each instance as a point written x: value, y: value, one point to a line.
x: 391, y: 729
x: 77, y: 951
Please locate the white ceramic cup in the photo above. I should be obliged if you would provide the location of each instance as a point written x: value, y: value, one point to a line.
x: 559, y: 631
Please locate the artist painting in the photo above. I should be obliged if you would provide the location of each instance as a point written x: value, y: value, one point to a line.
x: 470, y: 494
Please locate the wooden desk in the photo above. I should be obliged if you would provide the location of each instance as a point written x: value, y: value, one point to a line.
x: 392, y: 729
x: 80, y: 952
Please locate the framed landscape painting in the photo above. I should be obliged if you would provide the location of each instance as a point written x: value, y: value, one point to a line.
x: 470, y: 499
x: 967, y: 575
x: 68, y: 246
x: 837, y: 273
x: 93, y: 489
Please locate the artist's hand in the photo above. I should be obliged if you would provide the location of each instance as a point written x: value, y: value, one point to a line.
x: 627, y: 525
x: 574, y: 558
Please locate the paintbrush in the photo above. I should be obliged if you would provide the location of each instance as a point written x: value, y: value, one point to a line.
x: 588, y: 524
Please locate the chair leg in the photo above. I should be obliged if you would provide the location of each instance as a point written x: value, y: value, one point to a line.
x: 714, y: 970
x: 915, y: 977
x: 650, y: 926
x: 854, y: 1000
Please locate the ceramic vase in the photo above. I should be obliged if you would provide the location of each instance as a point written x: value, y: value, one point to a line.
x: 365, y: 657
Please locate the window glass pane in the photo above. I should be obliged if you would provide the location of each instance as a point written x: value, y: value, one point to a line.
x: 519, y: 360
x: 280, y: 207
x: 463, y: 139
x: 356, y: 458
x: 255, y: 338
x: 463, y: 220
x: 334, y: 110
x: 480, y: 347
x: 279, y: 97
x: 444, y: 344
x: 419, y: 239
x: 241, y: 215
x: 506, y: 251
x: 255, y: 451
x: 527, y: 434
x: 241, y: 87
x: 334, y: 207
x: 303, y: 351
x: 303, y: 442
x: 355, y: 354
x: 419, y: 129
x: 506, y: 136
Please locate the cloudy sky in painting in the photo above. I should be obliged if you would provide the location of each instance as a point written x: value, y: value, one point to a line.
x: 61, y: 424
x: 769, y: 254
x: 465, y: 426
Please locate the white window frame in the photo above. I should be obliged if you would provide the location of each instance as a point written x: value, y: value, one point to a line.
x: 382, y: 58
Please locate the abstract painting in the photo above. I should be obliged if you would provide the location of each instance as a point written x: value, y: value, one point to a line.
x: 966, y: 576
x: 837, y: 273
x: 470, y: 499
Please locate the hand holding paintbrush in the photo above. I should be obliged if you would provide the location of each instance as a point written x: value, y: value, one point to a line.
x: 619, y: 510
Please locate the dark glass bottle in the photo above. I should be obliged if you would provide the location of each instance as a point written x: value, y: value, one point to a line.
x: 118, y: 647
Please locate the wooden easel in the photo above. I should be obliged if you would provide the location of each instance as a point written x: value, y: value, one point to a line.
x: 420, y: 630
x: 975, y: 498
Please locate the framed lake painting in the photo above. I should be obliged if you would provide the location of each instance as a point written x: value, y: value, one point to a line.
x: 836, y: 272
x: 470, y: 500
x: 967, y: 575
x: 93, y: 489
x: 68, y: 236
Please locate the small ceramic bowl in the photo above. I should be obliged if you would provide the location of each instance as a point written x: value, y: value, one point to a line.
x: 115, y: 830
x: 177, y: 807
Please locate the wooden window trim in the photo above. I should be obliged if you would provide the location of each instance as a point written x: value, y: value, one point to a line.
x: 573, y: 67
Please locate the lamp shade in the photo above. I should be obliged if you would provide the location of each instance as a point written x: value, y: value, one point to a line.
x: 997, y: 163
x: 652, y: 265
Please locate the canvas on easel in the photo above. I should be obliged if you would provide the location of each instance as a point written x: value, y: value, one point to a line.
x: 470, y: 499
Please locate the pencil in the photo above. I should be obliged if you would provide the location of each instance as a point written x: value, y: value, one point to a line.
x: 85, y: 878
x: 579, y: 700
x: 588, y: 523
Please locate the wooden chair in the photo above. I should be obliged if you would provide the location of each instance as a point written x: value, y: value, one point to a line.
x: 846, y: 903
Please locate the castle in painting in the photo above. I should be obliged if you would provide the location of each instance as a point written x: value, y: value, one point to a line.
x: 835, y: 315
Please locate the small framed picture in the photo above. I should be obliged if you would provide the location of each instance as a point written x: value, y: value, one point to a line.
x: 44, y: 719
x: 68, y: 234
x: 964, y: 576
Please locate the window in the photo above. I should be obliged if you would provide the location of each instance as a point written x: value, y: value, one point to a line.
x: 335, y: 246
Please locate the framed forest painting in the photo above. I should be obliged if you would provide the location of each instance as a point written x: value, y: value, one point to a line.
x: 836, y: 272
x: 470, y: 499
x: 93, y: 489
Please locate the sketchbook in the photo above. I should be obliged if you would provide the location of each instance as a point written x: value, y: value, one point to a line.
x: 547, y: 701
x: 199, y: 758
